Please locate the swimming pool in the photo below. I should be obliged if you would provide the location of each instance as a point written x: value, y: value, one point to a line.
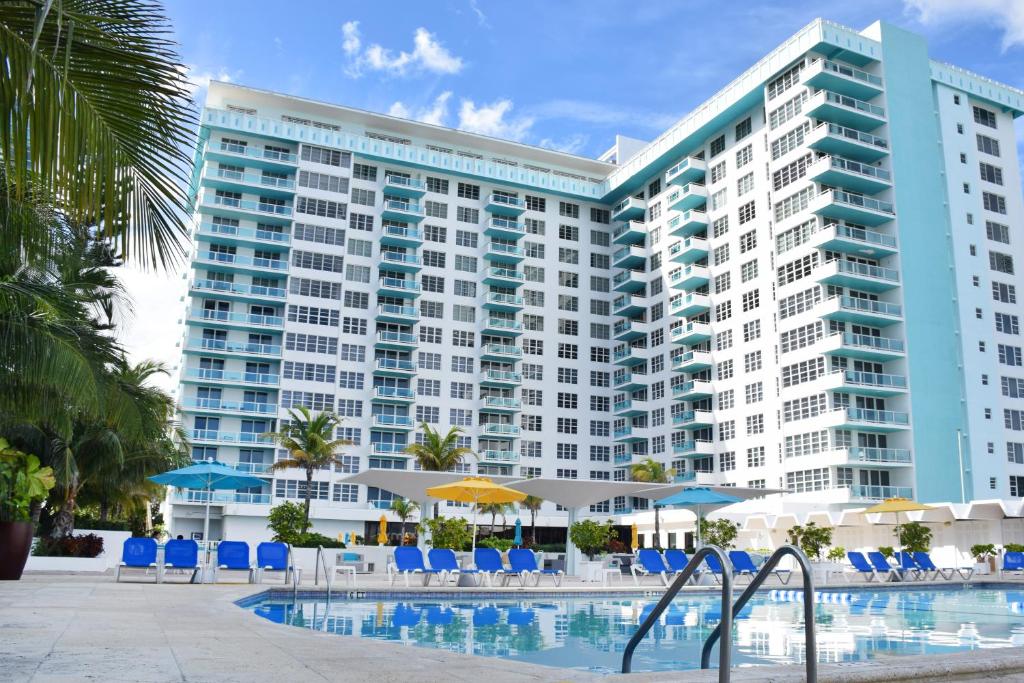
x: 590, y: 631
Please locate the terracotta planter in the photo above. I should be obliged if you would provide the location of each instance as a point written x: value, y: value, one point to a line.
x: 15, y: 542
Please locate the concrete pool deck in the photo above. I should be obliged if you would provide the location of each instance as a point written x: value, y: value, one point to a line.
x: 64, y: 627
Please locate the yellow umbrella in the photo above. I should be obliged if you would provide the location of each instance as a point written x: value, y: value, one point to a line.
x: 477, y: 491
x: 634, y: 537
x: 896, y: 506
x: 382, y: 535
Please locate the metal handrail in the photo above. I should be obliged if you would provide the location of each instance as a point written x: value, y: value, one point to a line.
x: 810, y: 641
x: 321, y: 561
x: 725, y: 655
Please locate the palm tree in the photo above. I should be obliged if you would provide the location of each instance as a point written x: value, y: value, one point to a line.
x: 649, y: 470
x: 404, y: 510
x: 438, y: 453
x: 532, y: 503
x: 309, y: 440
x: 494, y: 509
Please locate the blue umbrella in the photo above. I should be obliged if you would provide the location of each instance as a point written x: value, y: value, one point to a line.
x: 207, y: 476
x: 518, y: 540
x: 697, y: 497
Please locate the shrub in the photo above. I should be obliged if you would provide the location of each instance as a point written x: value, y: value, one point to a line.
x: 549, y: 548
x: 1014, y: 547
x: 448, y: 532
x: 592, y: 537
x: 915, y: 537
x: 86, y: 545
x: 720, y: 532
x: 887, y: 551
x: 811, y: 538
x: 288, y: 522
x: 617, y: 546
x: 500, y: 544
x: 983, y: 550
x: 837, y: 554
x: 312, y: 539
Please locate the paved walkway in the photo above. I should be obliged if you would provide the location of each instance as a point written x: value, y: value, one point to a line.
x: 76, y: 627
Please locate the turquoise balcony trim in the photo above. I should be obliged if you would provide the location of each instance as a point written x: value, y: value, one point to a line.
x: 844, y: 110
x: 862, y: 346
x: 627, y: 330
x: 498, y: 301
x: 502, y: 326
x: 500, y: 378
x: 691, y: 333
x: 850, y: 175
x: 627, y: 356
x: 686, y: 171
x: 853, y: 208
x: 490, y: 455
x: 629, y: 257
x: 692, y: 361
x: 398, y: 287
x: 233, y: 290
x: 402, y: 423
x: 689, y: 277
x: 497, y: 252
x: 406, y: 212
x: 867, y: 492
x: 631, y: 281
x: 240, y: 321
x: 216, y: 405
x: 400, y: 236
x: 875, y: 420
x: 693, y: 419
x: 630, y: 408
x: 623, y: 380
x: 688, y: 223
x: 500, y: 352
x: 842, y: 78
x: 504, y: 228
x: 628, y: 209
x: 503, y: 277
x: 863, y: 311
x: 629, y: 305
x: 689, y: 250
x: 231, y: 233
x: 385, y: 394
x: 503, y: 205
x: 694, y: 390
x: 502, y: 404
x: 859, y: 276
x: 251, y: 155
x: 399, y: 262
x: 248, y: 264
x: 268, y: 186
x: 687, y: 197
x: 854, y: 240
x: 394, y: 367
x: 220, y: 347
x: 689, y: 305
x: 220, y: 497
x: 209, y: 376
x: 693, y: 448
x: 500, y: 429
x: 831, y: 138
x: 874, y: 383
x: 214, y: 436
x: 393, y: 313
x: 247, y: 208
x: 389, y: 450
x: 630, y: 232
x: 404, y: 187
x: 880, y: 456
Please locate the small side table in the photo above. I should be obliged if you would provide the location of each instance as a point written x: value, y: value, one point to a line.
x: 347, y: 571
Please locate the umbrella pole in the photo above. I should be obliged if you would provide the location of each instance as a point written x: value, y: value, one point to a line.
x: 474, y: 530
x: 206, y: 525
x: 698, y: 528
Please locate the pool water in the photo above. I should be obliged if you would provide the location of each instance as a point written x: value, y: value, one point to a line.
x: 589, y: 632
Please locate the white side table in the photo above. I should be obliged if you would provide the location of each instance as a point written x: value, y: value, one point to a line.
x: 347, y: 571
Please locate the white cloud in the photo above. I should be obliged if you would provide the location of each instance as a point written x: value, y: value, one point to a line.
x: 198, y: 79
x: 435, y: 114
x: 570, y: 145
x: 480, y: 16
x: 493, y: 119
x: 400, y: 110
x: 428, y: 55
x: 1007, y: 15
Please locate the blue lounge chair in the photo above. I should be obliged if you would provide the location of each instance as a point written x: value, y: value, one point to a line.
x: 878, y: 561
x: 862, y: 566
x: 181, y: 554
x: 488, y: 563
x: 715, y: 567
x: 274, y: 557
x: 677, y: 560
x: 649, y: 562
x: 1013, y: 562
x: 924, y: 561
x: 139, y: 553
x: 743, y: 565
x: 908, y: 567
x: 523, y: 563
x: 409, y: 560
x: 444, y: 559
x: 440, y: 616
x: 233, y: 556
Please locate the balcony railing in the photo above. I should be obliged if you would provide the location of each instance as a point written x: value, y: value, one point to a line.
x: 870, y: 342
x: 253, y: 205
x: 852, y: 103
x: 404, y: 207
x: 403, y: 393
x: 887, y: 417
x: 502, y: 402
x: 848, y: 71
x: 881, y: 492
x: 899, y: 456
x: 228, y: 437
x: 244, y: 318
x: 253, y: 407
x: 866, y: 270
x: 392, y: 421
x: 853, y: 303
x: 398, y: 283
x: 500, y: 428
x: 211, y: 375
x: 237, y: 288
x: 402, y: 232
x: 235, y: 259
x: 875, y: 379
x: 500, y: 376
x: 234, y: 347
x: 196, y: 496
x: 255, y: 179
x: 841, y: 197
x: 395, y: 364
x: 861, y: 235
x: 503, y: 350
x: 387, y: 337
x: 395, y: 309
x: 402, y: 181
x: 257, y: 152
x: 249, y: 233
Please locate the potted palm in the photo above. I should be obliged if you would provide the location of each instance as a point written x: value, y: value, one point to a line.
x: 22, y: 483
x: 591, y: 538
x: 984, y: 558
x: 813, y: 540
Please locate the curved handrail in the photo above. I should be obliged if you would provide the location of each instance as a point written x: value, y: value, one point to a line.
x: 321, y: 561
x: 810, y: 641
x: 725, y: 654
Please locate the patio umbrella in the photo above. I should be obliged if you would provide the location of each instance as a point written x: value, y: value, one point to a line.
x: 697, y: 497
x: 476, y: 491
x: 634, y: 537
x: 518, y: 539
x: 207, y: 476
x: 382, y: 535
x: 896, y: 506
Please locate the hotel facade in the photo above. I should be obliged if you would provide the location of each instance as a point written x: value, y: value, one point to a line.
x: 808, y: 283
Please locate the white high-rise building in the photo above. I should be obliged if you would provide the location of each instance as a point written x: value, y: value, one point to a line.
x: 807, y: 283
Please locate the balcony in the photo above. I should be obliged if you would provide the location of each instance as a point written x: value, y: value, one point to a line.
x: 694, y: 449
x: 254, y: 156
x: 867, y: 420
x: 386, y: 394
x: 400, y: 341
x: 630, y: 232
x: 504, y: 228
x: 240, y: 181
x: 693, y: 419
x: 400, y: 262
x: 692, y: 361
x: 199, y: 497
x: 691, y: 333
x: 235, y: 290
x: 500, y: 378
x: 245, y: 264
x: 699, y: 478
x: 859, y: 276
x: 237, y: 321
x: 398, y: 288
x: 393, y: 313
x: 632, y: 256
x: 630, y: 434
x: 255, y: 236
x: 623, y: 459
x: 490, y: 455
x: 689, y: 250
x: 687, y: 197
x: 389, y: 450
x: 230, y: 377
x: 505, y: 205
x: 397, y: 423
x: 629, y: 281
x: 850, y: 175
x: 851, y: 143
x: 852, y: 208
x: 496, y: 252
x: 401, y: 186
x: 689, y: 305
x: 873, y: 383
x: 256, y: 468
x: 689, y: 278
x: 630, y: 408
x: 500, y: 404
x: 688, y: 223
x: 825, y: 74
x: 854, y: 240
x: 403, y: 211
x: 400, y: 236
x: 499, y: 301
x: 221, y: 347
x: 500, y: 429
x: 245, y: 209
x: 503, y: 277
x: 214, y: 436
x: 217, y: 405
x: 862, y: 347
x: 629, y: 305
x: 393, y: 367
x: 880, y: 457
x: 627, y: 356
x: 686, y: 171
x: 844, y: 110
x: 501, y: 352
x: 628, y: 209
x: 694, y: 390
x: 623, y: 380
x: 874, y: 493
x: 862, y: 311
x: 628, y: 330
x: 502, y: 326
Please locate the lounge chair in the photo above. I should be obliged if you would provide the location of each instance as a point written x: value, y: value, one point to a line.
x: 444, y: 559
x: 649, y: 562
x: 677, y: 560
x: 139, y: 553
x: 274, y: 557
x: 181, y: 554
x: 924, y: 561
x: 863, y: 567
x: 908, y: 567
x: 409, y: 560
x: 233, y: 556
x: 878, y: 561
x: 523, y: 563
x: 1013, y: 562
x: 715, y: 567
x: 743, y: 565
x: 488, y: 563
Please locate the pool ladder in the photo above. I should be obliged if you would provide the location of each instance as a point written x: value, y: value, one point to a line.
x: 730, y: 610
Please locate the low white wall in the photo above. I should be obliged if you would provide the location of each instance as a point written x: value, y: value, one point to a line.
x: 113, y: 541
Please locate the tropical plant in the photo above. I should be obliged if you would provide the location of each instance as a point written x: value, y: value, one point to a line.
x: 438, y: 453
x: 447, y: 532
x: 85, y: 545
x: 404, y: 510
x: 533, y: 504
x: 500, y: 544
x: 837, y: 554
x: 288, y: 522
x: 887, y: 551
x: 982, y: 551
x: 592, y: 537
x: 915, y: 537
x: 719, y: 532
x: 811, y: 538
x: 494, y: 509
x: 654, y: 472
x: 1014, y: 547
x: 22, y: 483
x: 309, y: 440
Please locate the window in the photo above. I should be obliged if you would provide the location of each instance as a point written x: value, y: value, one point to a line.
x: 997, y: 232
x: 465, y: 238
x: 990, y: 173
x: 428, y: 361
x: 432, y: 309
x: 726, y: 430
x: 435, y: 209
x: 747, y: 212
x: 438, y: 185
x: 745, y: 184
x: 323, y: 181
x: 1010, y: 355
x: 755, y: 456
x: 717, y: 172
x: 984, y: 117
x: 791, y: 172
x: 569, y: 232
x: 787, y: 111
x: 743, y: 129
x: 751, y: 330
x: 744, y: 156
x: 318, y: 234
x: 433, y: 233
x: 1000, y: 262
x: 466, y: 264
x: 429, y: 414
x: 785, y: 81
x: 465, y: 288
x: 1007, y: 324
x: 534, y: 226
x: 727, y: 461
x: 752, y: 361
x: 363, y: 197
x: 988, y: 145
x: 329, y: 157
x: 993, y: 202
x: 428, y: 387
x: 717, y: 146
x: 568, y: 209
x: 468, y: 191
x: 748, y: 241
x: 464, y: 214
x: 1007, y: 294
x: 364, y: 172
x: 320, y: 289
x: 754, y: 392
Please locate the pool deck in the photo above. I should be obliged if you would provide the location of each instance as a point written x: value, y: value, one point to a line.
x: 74, y: 627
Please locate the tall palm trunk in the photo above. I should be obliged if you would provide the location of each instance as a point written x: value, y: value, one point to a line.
x: 64, y: 521
x: 657, y: 528
x: 494, y: 515
x: 533, y: 526
x: 309, y: 493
